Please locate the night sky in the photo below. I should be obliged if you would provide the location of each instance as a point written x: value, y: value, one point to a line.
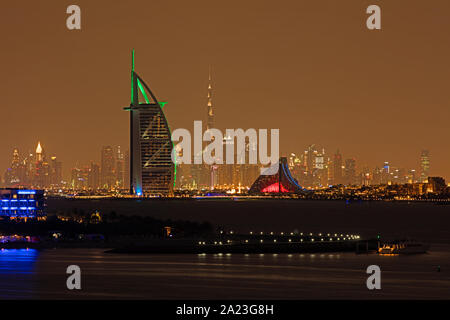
x: 310, y: 68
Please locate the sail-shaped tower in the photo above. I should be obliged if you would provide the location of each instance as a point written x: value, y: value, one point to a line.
x: 152, y: 172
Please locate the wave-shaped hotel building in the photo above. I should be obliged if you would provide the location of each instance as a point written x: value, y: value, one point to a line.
x: 281, y: 181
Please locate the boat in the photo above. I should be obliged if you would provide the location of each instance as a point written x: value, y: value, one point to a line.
x: 403, y: 247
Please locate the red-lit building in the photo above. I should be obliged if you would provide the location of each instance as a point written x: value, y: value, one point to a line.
x: 280, y: 181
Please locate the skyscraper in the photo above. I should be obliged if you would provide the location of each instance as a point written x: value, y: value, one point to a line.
x: 424, y: 165
x: 152, y: 171
x: 15, y: 161
x: 337, y: 168
x: 94, y: 176
x: 41, y: 169
x: 385, y: 173
x: 350, y: 172
x: 212, y: 169
x: 55, y: 171
x: 12, y: 175
x: 126, y: 174
x: 120, y: 167
x: 209, y: 108
x: 39, y: 156
x: 79, y: 178
x: 107, y: 168
x: 309, y: 157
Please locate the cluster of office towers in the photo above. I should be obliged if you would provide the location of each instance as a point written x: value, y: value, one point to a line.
x: 39, y: 171
x: 148, y: 169
x: 311, y: 168
x: 315, y: 168
x: 33, y: 169
x: 111, y: 174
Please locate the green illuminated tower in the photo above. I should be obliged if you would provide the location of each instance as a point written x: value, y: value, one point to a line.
x: 152, y: 171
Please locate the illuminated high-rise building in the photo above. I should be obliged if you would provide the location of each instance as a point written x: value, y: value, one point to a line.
x: 250, y: 171
x: 209, y: 108
x: 13, y: 174
x: 120, y: 167
x: 28, y: 164
x: 320, y: 170
x: 212, y: 169
x: 412, y: 176
x: 424, y: 165
x: 41, y: 178
x: 15, y: 160
x: 126, y: 174
x: 309, y: 158
x: 55, y: 171
x: 79, y: 178
x: 39, y: 155
x: 330, y: 171
x: 337, y: 168
x: 350, y: 172
x: 313, y: 171
x: 365, y: 177
x: 94, y: 176
x: 152, y: 171
x: 385, y: 173
x: 227, y: 177
x: 200, y: 176
x: 108, y: 178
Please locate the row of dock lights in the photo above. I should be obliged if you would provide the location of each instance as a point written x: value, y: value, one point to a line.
x: 312, y: 239
x: 337, y: 237
x: 290, y: 240
x: 301, y: 233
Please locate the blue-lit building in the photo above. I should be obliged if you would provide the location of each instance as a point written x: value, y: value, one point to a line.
x: 21, y: 203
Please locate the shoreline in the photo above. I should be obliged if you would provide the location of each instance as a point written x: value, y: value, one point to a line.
x: 189, y: 247
x: 443, y: 201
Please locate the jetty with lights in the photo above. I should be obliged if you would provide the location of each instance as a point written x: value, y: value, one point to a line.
x: 256, y: 242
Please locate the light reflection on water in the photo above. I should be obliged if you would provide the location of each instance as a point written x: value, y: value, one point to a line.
x: 17, y: 260
x: 17, y: 268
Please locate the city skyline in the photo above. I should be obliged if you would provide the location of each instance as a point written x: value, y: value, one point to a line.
x: 224, y: 158
x: 338, y: 170
x: 388, y: 112
x: 314, y: 167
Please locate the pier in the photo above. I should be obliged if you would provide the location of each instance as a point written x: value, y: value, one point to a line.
x: 256, y: 242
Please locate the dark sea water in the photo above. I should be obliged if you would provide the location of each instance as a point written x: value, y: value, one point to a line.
x: 30, y: 274
x: 41, y: 275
